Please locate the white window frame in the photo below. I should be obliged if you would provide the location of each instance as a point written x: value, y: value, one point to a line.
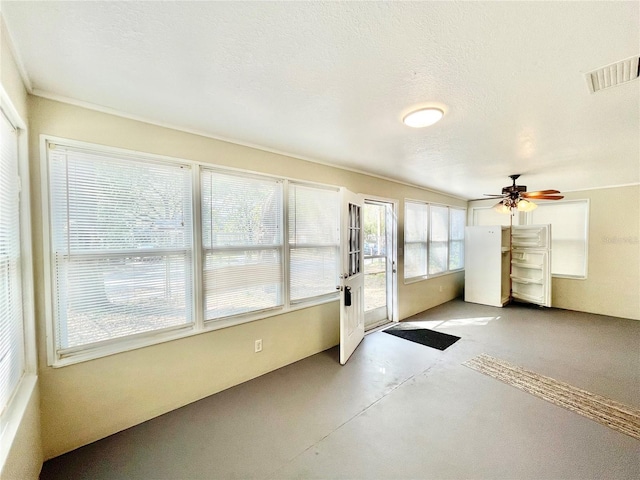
x: 118, y: 345
x: 99, y: 254
x: 12, y: 416
x: 429, y: 226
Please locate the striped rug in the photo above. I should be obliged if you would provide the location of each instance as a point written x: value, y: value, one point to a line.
x: 620, y: 417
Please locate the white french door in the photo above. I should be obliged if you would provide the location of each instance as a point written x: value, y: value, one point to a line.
x: 351, y: 275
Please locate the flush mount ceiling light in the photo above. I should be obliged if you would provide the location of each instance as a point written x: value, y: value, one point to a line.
x: 423, y: 117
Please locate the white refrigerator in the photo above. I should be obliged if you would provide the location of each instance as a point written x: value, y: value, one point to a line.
x: 504, y: 263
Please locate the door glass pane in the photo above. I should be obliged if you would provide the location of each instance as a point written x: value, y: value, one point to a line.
x: 375, y: 256
x: 375, y: 283
x: 355, y: 261
x: 375, y: 229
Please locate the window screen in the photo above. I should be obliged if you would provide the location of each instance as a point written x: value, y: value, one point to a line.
x: 122, y: 245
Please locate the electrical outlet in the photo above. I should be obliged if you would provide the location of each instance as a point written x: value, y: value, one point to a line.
x: 258, y: 345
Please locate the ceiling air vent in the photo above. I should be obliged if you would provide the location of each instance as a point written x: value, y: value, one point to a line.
x: 615, y: 74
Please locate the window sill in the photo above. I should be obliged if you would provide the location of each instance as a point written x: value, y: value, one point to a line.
x: 154, y: 338
x: 408, y: 281
x: 12, y: 418
x: 569, y: 277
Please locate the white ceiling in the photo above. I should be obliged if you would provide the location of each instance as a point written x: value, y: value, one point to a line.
x: 330, y: 81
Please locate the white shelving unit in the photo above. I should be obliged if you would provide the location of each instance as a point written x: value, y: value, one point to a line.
x: 531, y: 264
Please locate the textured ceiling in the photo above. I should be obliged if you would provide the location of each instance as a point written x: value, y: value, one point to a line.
x: 330, y: 81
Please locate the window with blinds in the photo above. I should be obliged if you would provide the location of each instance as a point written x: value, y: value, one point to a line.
x: 416, y: 221
x: 314, y: 241
x: 121, y: 239
x: 12, y: 361
x: 457, y: 222
x: 569, y: 235
x: 433, y: 239
x: 438, y: 239
x: 122, y: 233
x: 242, y: 241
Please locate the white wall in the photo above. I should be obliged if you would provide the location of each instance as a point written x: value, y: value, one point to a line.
x: 612, y: 286
x: 84, y: 402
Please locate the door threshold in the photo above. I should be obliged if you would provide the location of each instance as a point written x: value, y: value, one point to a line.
x: 376, y: 327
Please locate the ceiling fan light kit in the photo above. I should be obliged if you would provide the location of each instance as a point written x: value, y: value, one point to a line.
x: 515, y: 198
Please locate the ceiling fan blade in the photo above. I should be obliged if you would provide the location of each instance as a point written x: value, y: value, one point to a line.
x: 549, y: 197
x: 539, y: 193
x: 491, y: 195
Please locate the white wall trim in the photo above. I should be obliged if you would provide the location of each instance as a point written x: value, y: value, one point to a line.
x: 602, y: 188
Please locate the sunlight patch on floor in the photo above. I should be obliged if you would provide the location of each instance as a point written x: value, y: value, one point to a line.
x: 454, y: 322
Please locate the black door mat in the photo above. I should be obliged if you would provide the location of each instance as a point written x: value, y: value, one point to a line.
x: 424, y: 336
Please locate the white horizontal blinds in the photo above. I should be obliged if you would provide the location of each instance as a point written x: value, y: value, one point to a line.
x: 456, y: 238
x: 569, y: 221
x: 416, y: 221
x: 488, y: 216
x: 122, y: 245
x: 11, y: 319
x: 243, y: 243
x: 438, y: 239
x: 314, y: 241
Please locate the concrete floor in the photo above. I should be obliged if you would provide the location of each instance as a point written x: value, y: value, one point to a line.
x: 400, y: 410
